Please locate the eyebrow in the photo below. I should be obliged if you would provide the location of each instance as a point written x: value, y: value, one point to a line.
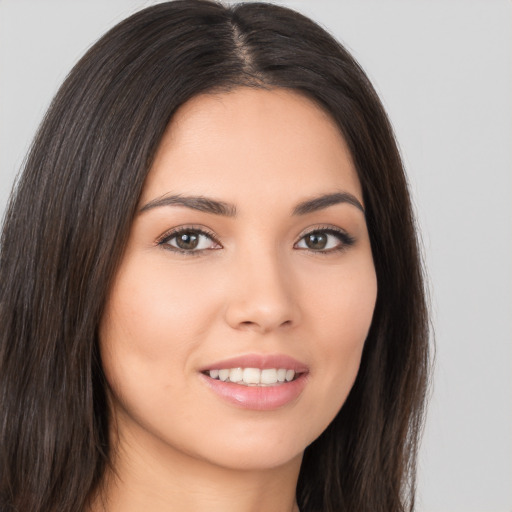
x: 203, y: 204
x: 326, y: 200
x: 213, y: 206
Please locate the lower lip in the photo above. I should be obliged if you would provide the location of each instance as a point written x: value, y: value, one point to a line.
x: 258, y: 398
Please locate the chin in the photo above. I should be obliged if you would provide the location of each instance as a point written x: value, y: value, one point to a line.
x: 245, y: 457
x: 253, y: 447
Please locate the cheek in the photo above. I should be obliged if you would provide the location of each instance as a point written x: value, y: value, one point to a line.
x: 342, y: 313
x: 341, y: 302
x: 153, y: 312
x: 151, y: 324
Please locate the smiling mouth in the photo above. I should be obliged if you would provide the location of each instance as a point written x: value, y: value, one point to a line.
x: 254, y: 376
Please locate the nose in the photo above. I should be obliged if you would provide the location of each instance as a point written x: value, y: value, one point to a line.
x: 262, y: 295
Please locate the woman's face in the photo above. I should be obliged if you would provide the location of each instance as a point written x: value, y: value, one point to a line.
x: 249, y: 259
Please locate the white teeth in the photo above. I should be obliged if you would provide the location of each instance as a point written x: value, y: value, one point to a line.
x: 268, y: 376
x: 235, y: 374
x: 253, y: 376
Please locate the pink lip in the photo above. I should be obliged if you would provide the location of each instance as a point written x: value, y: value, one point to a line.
x: 259, y: 398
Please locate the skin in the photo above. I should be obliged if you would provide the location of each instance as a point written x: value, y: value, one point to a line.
x: 256, y: 289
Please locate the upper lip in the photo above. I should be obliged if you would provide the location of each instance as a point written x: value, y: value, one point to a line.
x: 261, y: 361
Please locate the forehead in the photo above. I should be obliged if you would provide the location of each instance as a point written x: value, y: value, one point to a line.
x: 252, y: 141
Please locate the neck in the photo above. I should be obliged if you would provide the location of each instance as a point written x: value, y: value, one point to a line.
x: 165, y: 480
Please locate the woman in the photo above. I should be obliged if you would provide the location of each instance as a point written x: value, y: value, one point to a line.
x: 211, y: 288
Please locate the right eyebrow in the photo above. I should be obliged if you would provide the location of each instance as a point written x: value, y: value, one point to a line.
x: 203, y: 204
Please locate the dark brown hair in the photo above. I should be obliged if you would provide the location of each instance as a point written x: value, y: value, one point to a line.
x: 68, y: 221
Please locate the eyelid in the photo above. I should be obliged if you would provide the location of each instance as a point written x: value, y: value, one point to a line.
x: 171, y: 233
x: 346, y: 240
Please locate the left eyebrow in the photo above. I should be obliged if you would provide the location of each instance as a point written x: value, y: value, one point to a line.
x: 326, y: 200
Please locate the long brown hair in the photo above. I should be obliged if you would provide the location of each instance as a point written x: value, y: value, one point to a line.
x: 68, y: 221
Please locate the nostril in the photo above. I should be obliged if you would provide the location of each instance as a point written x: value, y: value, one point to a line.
x: 250, y: 324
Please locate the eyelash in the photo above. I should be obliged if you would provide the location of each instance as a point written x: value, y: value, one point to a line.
x: 169, y: 235
x: 343, y: 237
x: 345, y: 240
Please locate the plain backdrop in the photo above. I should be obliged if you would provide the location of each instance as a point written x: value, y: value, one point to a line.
x: 443, y: 69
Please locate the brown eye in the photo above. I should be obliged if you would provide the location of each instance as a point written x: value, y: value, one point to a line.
x: 189, y: 241
x: 316, y: 241
x: 325, y: 240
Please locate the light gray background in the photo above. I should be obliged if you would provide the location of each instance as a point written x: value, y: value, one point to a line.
x: 444, y: 71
